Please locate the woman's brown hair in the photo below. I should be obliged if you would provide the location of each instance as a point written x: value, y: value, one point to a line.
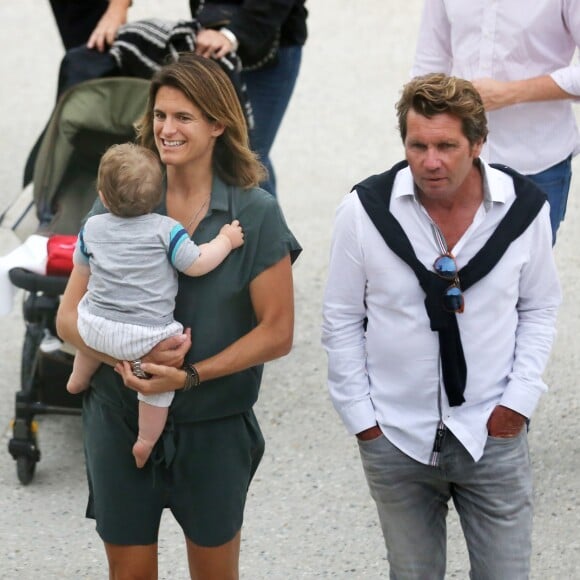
x: 208, y: 87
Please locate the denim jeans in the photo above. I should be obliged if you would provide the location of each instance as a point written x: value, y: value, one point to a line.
x: 555, y: 182
x: 269, y: 91
x: 493, y: 498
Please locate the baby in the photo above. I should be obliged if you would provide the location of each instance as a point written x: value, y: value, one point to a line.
x: 131, y: 257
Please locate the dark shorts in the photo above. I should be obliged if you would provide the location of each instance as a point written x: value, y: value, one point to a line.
x: 200, y: 471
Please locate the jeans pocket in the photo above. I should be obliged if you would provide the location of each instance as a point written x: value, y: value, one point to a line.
x: 506, y: 440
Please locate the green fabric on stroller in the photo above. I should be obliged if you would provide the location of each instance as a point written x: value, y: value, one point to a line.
x: 87, y: 119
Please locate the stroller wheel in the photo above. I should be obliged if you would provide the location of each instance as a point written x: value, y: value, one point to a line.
x: 25, y: 467
x: 24, y: 449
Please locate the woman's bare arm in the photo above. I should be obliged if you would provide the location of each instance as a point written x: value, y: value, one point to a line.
x: 66, y: 317
x: 272, y: 298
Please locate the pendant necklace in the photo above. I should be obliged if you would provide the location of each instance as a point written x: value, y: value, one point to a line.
x: 196, y: 215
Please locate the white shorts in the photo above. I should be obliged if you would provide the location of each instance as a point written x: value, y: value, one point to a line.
x: 125, y: 341
x: 158, y: 400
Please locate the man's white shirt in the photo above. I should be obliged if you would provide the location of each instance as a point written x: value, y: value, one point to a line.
x: 390, y: 373
x: 506, y: 41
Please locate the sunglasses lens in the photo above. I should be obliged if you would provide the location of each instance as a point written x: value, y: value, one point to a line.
x: 453, y: 299
x: 445, y: 266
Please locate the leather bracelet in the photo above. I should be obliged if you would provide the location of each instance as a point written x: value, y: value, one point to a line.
x: 191, y: 377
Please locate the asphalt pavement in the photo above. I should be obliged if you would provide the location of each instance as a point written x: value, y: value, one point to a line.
x: 309, y: 514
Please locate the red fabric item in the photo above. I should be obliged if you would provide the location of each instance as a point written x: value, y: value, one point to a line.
x: 60, y: 250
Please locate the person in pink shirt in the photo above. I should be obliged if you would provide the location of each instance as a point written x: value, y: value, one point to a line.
x: 519, y: 56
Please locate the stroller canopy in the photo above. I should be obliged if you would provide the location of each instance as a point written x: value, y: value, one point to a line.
x: 88, y: 118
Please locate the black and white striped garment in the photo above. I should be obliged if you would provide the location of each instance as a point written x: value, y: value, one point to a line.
x: 143, y: 46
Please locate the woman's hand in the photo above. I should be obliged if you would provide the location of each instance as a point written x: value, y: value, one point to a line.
x: 163, y: 363
x: 163, y: 378
x: 171, y: 351
x: 212, y: 43
x: 106, y: 30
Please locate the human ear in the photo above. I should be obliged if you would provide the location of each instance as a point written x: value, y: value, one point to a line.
x: 218, y: 129
x: 476, y: 149
x: 102, y: 198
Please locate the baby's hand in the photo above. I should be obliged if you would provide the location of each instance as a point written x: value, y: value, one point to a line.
x: 234, y: 233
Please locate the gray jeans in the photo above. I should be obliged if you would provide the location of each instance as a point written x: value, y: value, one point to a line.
x: 493, y: 498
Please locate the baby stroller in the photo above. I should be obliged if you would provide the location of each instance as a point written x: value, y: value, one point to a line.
x: 90, y: 116
x: 87, y: 119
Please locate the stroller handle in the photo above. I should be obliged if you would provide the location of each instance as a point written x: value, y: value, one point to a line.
x: 32, y: 282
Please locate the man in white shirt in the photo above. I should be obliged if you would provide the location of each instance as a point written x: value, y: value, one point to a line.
x: 435, y: 422
x: 518, y: 55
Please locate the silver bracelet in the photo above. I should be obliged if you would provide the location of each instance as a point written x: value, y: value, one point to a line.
x: 137, y: 370
x: 231, y: 37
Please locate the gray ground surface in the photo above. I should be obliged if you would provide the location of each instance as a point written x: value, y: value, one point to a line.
x: 309, y: 514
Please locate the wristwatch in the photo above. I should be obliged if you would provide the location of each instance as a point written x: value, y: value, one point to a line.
x: 137, y: 370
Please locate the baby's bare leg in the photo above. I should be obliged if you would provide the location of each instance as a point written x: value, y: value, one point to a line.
x: 151, y: 423
x: 84, y: 367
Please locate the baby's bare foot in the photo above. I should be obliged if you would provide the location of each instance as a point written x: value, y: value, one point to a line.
x: 141, y: 452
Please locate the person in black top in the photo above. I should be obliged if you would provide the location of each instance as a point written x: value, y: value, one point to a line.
x: 91, y: 22
x: 254, y: 31
x: 89, y: 27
